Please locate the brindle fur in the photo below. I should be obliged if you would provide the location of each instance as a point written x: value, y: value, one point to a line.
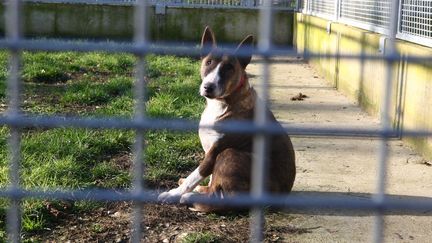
x: 229, y: 159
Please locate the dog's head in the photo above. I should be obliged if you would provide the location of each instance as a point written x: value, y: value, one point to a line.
x: 222, y: 74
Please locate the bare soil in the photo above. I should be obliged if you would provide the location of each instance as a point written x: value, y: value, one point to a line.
x: 325, y: 166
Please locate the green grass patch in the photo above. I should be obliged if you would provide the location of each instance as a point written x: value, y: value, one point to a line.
x: 202, y: 237
x: 97, y: 84
x: 33, y: 222
x: 3, y: 74
x: 87, y: 92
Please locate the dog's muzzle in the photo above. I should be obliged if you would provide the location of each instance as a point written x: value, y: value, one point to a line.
x: 208, y: 90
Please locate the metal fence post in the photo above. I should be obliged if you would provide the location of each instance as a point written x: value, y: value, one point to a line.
x: 259, y: 165
x: 337, y: 9
x: 140, y: 41
x: 13, y: 34
x: 379, y: 197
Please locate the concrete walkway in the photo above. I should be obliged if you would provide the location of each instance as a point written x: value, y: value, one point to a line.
x: 342, y: 166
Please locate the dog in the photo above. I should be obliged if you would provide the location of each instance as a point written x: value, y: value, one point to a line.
x: 228, y: 157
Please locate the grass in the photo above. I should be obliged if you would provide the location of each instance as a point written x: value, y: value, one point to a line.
x: 96, y: 84
x: 201, y: 237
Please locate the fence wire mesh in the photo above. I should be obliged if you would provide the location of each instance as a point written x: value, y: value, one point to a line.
x: 320, y: 7
x: 416, y: 21
x: 414, y: 17
x: 16, y: 119
x: 369, y: 12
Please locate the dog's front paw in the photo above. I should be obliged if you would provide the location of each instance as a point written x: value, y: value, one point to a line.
x: 170, y: 196
x: 185, y: 198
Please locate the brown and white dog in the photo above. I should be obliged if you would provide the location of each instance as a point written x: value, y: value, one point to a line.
x: 228, y: 157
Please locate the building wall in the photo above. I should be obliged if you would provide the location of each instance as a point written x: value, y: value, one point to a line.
x: 116, y: 22
x: 363, y: 80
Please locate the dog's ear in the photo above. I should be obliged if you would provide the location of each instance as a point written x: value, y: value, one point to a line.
x: 245, y: 46
x: 208, y: 42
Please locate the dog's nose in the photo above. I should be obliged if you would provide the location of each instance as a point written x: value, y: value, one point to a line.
x: 209, y: 88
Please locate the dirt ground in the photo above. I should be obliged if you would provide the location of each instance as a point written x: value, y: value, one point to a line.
x: 325, y: 166
x: 330, y: 166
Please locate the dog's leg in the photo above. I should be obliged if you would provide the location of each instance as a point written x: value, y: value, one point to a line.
x: 187, y: 186
x: 238, y: 164
x: 204, y: 170
x: 180, y: 181
x: 202, y: 189
x: 199, y: 189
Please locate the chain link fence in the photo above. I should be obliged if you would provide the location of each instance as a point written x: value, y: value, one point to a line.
x: 16, y: 119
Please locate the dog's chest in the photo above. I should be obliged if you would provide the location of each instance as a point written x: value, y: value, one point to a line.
x: 212, y: 112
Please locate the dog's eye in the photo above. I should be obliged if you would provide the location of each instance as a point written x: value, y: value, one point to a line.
x: 208, y: 62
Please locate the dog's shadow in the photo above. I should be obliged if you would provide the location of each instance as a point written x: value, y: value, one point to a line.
x: 397, y: 204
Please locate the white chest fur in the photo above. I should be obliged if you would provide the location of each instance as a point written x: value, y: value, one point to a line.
x: 213, y: 110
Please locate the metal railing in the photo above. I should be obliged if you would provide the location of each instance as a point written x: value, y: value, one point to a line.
x: 248, y: 4
x: 285, y: 4
x: 16, y: 119
x: 414, y: 16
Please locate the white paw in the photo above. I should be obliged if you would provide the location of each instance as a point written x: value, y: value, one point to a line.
x: 185, y: 198
x: 170, y: 196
